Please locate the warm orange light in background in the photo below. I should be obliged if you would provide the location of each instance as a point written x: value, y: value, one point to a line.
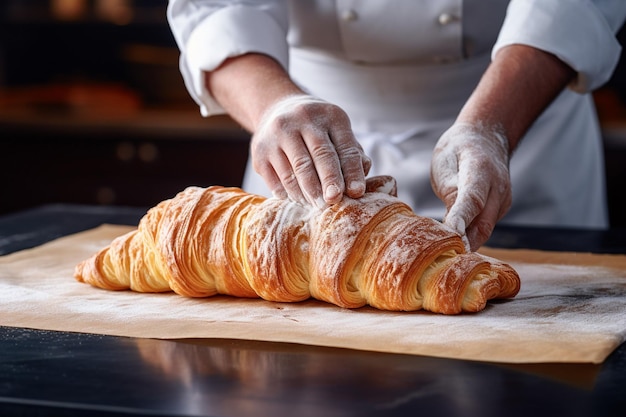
x: 69, y: 9
x: 119, y: 12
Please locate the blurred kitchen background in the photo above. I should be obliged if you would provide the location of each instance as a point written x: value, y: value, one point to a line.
x: 93, y: 110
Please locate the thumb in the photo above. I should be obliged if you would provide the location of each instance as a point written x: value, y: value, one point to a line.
x: 457, y: 225
x: 462, y: 213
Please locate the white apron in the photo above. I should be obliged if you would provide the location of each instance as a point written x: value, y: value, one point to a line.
x: 399, y: 110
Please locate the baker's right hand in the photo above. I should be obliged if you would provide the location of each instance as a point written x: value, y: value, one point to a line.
x: 305, y: 150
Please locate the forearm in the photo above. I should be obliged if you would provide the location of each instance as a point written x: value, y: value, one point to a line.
x: 516, y: 88
x: 469, y: 171
x: 246, y: 86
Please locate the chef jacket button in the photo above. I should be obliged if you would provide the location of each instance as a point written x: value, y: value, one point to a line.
x: 446, y: 19
x: 349, y: 15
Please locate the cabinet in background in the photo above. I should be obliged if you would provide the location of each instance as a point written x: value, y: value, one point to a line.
x: 114, y: 165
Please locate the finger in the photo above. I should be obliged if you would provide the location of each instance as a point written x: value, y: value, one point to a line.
x: 287, y: 167
x: 264, y: 168
x: 382, y: 184
x: 506, y: 203
x: 483, y: 224
x: 367, y: 164
x: 497, y: 205
x: 288, y: 179
x: 274, y: 184
x: 470, y: 200
x: 353, y: 161
x: 444, y: 177
x: 328, y: 187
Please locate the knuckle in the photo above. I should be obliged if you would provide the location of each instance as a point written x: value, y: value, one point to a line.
x: 262, y: 143
x: 258, y: 149
x: 325, y: 155
x: 449, y: 197
x: 302, y: 164
x: 281, y: 123
x: 308, y: 111
x: 288, y: 179
x: 319, y: 113
x: 354, y: 161
x: 275, y: 129
x: 261, y: 166
x: 349, y: 151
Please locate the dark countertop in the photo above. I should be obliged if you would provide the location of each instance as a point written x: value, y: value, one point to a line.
x: 47, y: 373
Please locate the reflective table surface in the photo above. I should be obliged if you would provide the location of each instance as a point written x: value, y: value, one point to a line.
x: 45, y: 373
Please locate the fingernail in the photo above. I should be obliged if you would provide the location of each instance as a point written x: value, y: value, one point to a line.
x: 332, y: 192
x: 357, y: 187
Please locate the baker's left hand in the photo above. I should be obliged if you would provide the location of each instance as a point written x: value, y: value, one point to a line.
x: 470, y: 174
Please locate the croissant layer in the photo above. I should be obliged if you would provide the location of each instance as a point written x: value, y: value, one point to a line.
x: 369, y: 251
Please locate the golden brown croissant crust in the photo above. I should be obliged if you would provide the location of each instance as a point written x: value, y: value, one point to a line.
x: 371, y: 251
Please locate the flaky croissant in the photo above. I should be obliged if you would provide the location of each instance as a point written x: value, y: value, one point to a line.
x: 369, y: 251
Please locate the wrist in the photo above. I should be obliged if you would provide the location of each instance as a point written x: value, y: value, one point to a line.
x: 281, y: 105
x: 493, y: 132
x: 516, y: 88
x: 247, y: 85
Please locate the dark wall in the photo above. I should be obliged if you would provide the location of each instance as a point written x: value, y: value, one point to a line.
x: 93, y: 110
x: 128, y: 168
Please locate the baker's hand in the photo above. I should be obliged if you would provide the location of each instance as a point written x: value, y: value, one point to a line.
x: 305, y: 150
x: 470, y: 173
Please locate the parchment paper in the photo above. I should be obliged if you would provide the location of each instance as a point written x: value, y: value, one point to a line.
x: 571, y: 308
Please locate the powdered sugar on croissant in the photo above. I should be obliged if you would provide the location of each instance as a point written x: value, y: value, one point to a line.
x: 370, y: 251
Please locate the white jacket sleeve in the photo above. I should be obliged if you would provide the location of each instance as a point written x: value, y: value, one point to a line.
x: 208, y: 32
x: 579, y: 32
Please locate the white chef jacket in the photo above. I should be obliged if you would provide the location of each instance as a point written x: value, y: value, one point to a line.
x: 403, y: 69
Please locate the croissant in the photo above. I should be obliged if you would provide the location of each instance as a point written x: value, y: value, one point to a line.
x: 368, y: 251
